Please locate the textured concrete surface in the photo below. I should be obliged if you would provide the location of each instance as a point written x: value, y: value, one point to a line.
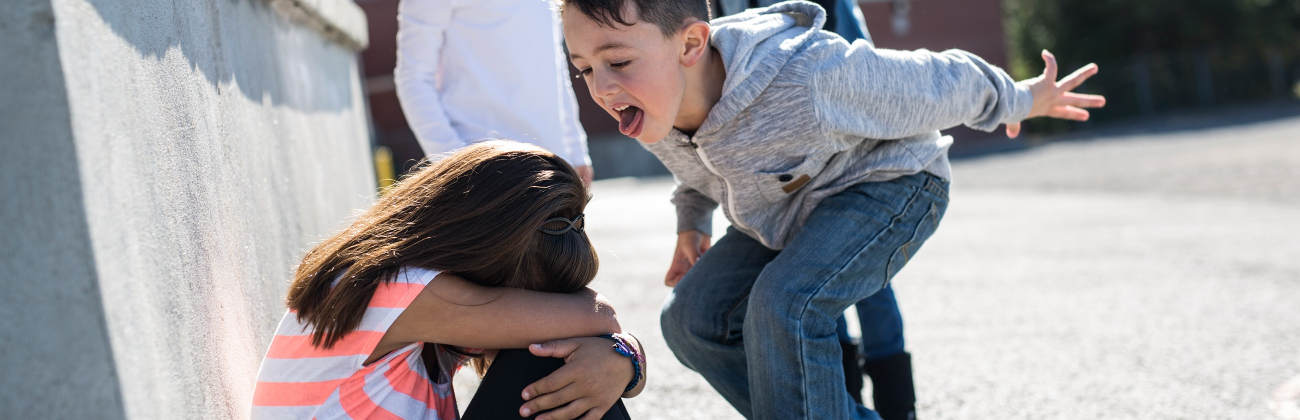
x: 52, y: 336
x: 173, y: 162
x: 1149, y: 276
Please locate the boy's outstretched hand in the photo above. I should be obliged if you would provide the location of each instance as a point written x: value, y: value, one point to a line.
x: 691, y: 245
x: 1055, y: 99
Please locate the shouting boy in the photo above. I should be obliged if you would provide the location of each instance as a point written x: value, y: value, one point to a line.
x: 825, y: 156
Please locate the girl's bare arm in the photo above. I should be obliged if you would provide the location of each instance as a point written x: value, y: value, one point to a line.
x: 453, y: 311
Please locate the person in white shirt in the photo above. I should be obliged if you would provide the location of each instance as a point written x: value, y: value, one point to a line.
x: 469, y: 70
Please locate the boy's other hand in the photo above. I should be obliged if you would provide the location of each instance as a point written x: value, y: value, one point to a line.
x: 691, y: 245
x: 1055, y: 99
x: 590, y: 382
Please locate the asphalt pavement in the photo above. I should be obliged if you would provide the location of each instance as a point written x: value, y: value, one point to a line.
x: 1150, y: 275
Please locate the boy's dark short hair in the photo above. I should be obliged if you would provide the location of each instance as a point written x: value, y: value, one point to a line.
x: 668, y: 15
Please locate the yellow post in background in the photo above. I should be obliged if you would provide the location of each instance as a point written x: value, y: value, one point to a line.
x: 384, y: 169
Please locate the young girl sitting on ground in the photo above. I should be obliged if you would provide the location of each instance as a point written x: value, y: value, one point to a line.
x: 484, y: 249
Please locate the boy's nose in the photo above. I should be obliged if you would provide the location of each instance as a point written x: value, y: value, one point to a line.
x: 603, y: 87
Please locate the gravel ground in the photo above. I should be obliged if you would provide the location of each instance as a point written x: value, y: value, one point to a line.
x: 1144, y: 276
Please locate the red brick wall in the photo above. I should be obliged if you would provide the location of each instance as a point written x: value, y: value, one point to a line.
x: 971, y: 25
x: 937, y: 25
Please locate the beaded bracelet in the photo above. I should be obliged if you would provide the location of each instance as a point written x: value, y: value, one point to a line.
x: 626, y: 349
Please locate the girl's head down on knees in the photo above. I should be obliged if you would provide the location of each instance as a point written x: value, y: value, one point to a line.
x: 496, y: 213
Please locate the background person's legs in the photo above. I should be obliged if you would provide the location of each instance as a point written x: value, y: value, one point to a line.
x: 881, y: 326
x: 885, y: 362
x: 850, y: 360
x: 499, y: 396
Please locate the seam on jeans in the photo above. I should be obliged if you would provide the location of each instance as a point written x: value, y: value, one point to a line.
x: 931, y: 219
x: 932, y: 184
x: 822, y: 286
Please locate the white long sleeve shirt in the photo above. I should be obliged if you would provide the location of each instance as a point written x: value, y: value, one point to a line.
x: 475, y: 69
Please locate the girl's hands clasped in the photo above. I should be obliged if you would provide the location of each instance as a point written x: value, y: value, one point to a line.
x: 592, y: 380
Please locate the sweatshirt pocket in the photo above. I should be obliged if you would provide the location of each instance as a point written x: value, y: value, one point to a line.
x: 780, y: 184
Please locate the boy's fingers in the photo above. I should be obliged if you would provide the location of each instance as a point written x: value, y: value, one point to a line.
x: 1049, y: 72
x: 674, y: 278
x: 674, y: 269
x: 1083, y: 100
x: 674, y: 275
x: 1013, y: 130
x: 1078, y: 77
x: 679, y: 267
x: 1069, y: 113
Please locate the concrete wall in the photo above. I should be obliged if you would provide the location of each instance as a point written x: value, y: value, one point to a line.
x: 164, y: 164
x: 53, y: 340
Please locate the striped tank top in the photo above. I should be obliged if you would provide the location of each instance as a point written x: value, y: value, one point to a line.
x: 301, y: 381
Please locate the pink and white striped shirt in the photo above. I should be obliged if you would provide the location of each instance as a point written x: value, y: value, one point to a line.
x: 300, y: 381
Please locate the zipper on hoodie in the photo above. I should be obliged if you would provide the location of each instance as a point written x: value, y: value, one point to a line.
x: 730, y: 201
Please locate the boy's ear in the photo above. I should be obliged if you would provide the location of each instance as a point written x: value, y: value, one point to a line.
x: 695, y: 42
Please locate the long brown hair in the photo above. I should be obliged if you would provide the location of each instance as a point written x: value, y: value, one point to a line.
x: 475, y: 213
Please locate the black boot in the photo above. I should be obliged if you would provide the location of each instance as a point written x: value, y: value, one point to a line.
x: 852, y: 371
x: 891, y: 386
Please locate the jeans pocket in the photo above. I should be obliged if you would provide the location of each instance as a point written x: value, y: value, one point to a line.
x: 937, y: 186
x: 924, y: 228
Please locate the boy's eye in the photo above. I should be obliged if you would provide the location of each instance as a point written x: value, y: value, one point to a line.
x: 587, y: 72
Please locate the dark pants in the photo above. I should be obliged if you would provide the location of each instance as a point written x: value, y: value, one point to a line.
x: 499, y: 396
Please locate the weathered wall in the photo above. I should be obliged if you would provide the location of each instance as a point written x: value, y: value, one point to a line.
x: 170, y: 163
x: 53, y: 343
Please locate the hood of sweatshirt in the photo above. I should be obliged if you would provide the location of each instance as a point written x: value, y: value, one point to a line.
x: 754, y: 46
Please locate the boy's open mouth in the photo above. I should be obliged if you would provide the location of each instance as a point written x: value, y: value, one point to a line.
x: 630, y: 120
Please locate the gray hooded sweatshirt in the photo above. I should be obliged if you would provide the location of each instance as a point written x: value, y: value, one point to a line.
x: 805, y: 115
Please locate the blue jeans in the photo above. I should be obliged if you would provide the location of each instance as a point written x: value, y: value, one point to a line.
x: 878, y: 315
x: 881, y: 323
x: 759, y: 324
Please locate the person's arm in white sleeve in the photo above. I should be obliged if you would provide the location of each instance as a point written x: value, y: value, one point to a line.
x: 572, y: 136
x: 575, y: 138
x: 421, y: 32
